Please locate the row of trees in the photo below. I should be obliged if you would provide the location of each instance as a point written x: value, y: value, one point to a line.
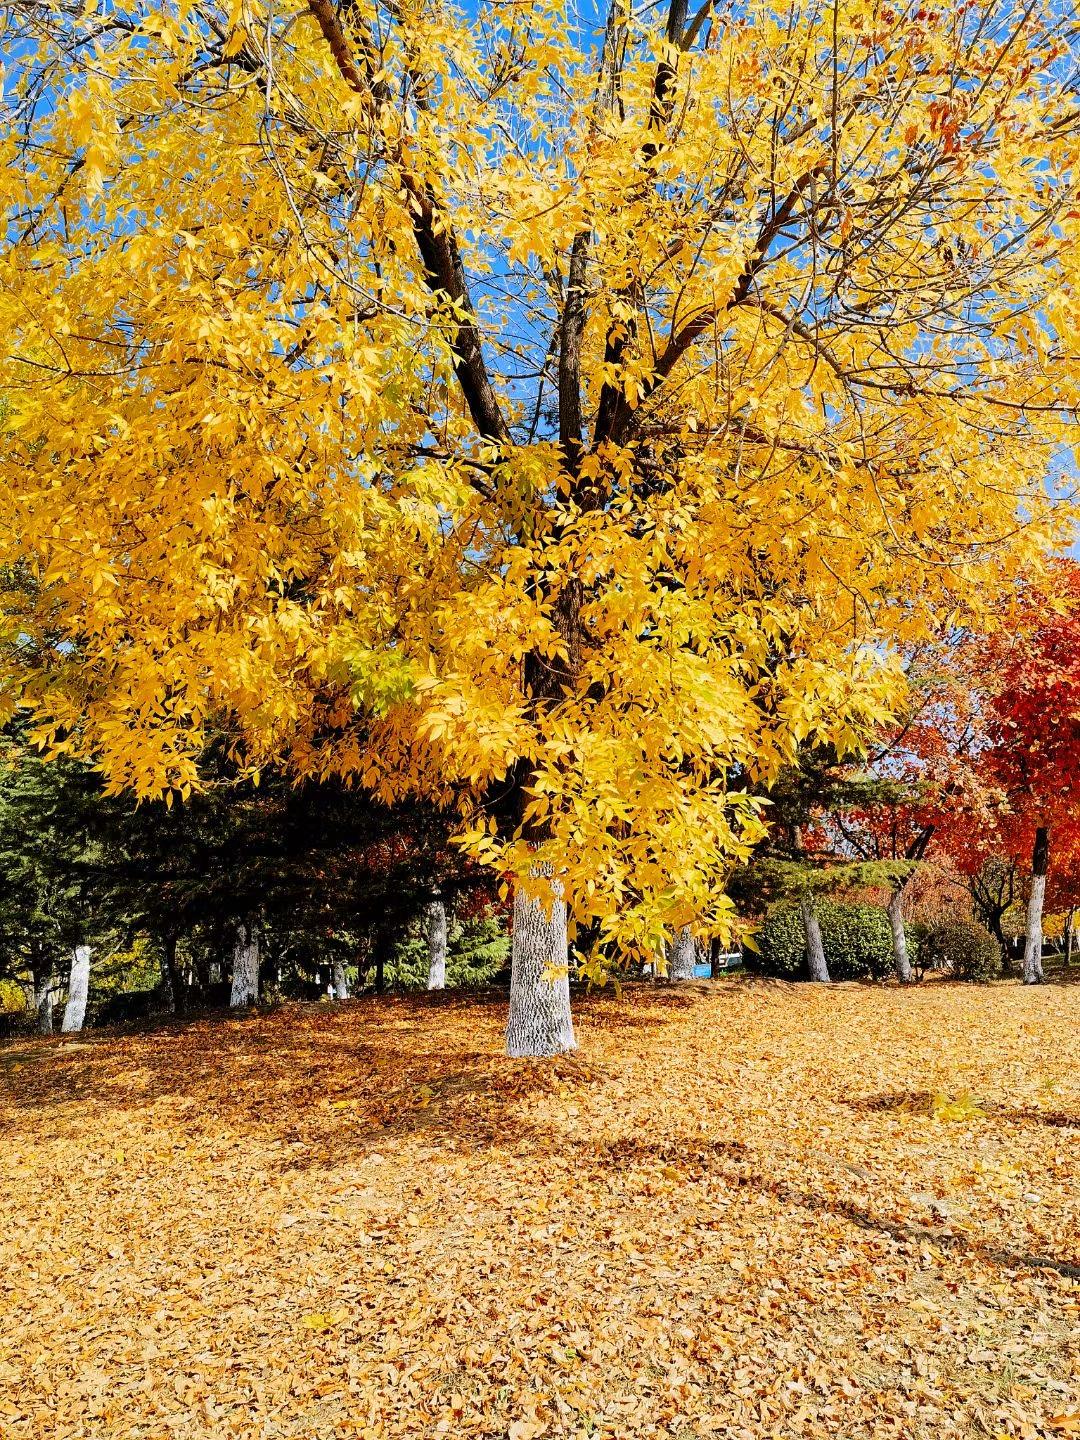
x: 564, y: 427
x: 245, y: 891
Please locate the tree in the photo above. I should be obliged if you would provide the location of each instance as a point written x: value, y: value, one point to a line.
x: 78, y: 989
x: 435, y: 915
x: 1026, y: 673
x: 407, y: 392
x: 682, y: 955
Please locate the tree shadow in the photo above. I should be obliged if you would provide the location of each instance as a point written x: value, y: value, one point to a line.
x: 327, y: 1082
x: 753, y: 1175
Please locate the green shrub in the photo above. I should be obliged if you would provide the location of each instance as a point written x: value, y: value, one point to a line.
x: 857, y: 940
x: 12, y: 998
x: 965, y: 947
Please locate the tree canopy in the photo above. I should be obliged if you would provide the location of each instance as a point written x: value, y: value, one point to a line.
x: 563, y: 417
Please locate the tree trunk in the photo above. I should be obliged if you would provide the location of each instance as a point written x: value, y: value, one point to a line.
x: 173, y: 975
x: 44, y: 985
x: 1040, y: 863
x: 682, y: 955
x: 1068, y: 945
x: 540, y: 1022
x: 78, y: 990
x: 339, y: 980
x: 899, y: 936
x: 815, y: 949
x: 715, y: 952
x: 435, y: 919
x: 245, y: 976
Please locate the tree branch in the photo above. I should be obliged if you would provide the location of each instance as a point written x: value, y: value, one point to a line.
x: 440, y: 253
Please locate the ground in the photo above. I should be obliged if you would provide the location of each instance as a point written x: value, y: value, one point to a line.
x: 743, y: 1209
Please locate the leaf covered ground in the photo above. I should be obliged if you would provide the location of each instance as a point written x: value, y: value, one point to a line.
x: 741, y: 1210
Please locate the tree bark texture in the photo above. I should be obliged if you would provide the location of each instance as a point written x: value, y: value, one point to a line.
x: 245, y: 976
x: 339, y: 980
x: 78, y: 990
x: 899, y: 936
x: 540, y: 1022
x: 1040, y: 863
x: 682, y: 955
x: 815, y: 948
x: 435, y: 925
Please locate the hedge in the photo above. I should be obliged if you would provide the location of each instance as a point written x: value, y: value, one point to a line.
x: 857, y: 940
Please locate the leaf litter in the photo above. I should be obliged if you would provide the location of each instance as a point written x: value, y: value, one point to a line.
x: 739, y: 1210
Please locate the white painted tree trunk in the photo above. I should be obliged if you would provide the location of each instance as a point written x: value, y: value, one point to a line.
x: 899, y: 936
x: 245, y: 976
x: 1033, y: 968
x: 339, y: 980
x: 682, y: 955
x: 78, y: 990
x: 44, y: 985
x: 815, y: 948
x: 435, y: 922
x: 539, y: 1022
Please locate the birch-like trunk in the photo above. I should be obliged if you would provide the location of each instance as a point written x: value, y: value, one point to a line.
x: 78, y: 990
x: 1040, y: 863
x: 44, y: 985
x: 539, y: 1022
x: 245, y: 976
x: 682, y: 955
x: 435, y: 924
x: 899, y: 936
x: 815, y: 948
x: 339, y: 980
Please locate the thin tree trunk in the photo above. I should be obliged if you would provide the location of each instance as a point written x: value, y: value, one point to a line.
x: 815, y: 948
x: 682, y: 955
x: 245, y: 976
x: 339, y: 980
x: 1040, y: 863
x: 899, y: 936
x: 539, y: 1022
x: 174, y: 978
x: 78, y: 990
x: 715, y: 952
x: 44, y: 985
x: 435, y: 921
x: 1069, y: 939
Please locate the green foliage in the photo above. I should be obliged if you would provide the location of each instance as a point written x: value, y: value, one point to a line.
x: 857, y: 940
x: 966, y: 948
x: 137, y: 967
x: 12, y: 998
x: 478, y: 947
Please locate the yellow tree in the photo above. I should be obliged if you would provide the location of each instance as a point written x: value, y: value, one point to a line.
x: 557, y: 414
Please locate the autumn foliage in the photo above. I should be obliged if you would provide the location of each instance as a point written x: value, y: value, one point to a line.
x: 562, y: 426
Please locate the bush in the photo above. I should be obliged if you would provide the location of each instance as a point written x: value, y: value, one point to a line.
x: 857, y: 940
x: 965, y: 947
x: 12, y: 998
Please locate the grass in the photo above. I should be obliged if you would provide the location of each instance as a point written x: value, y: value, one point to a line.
x: 742, y: 1209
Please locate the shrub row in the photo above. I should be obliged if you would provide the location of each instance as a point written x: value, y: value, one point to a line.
x: 858, y: 944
